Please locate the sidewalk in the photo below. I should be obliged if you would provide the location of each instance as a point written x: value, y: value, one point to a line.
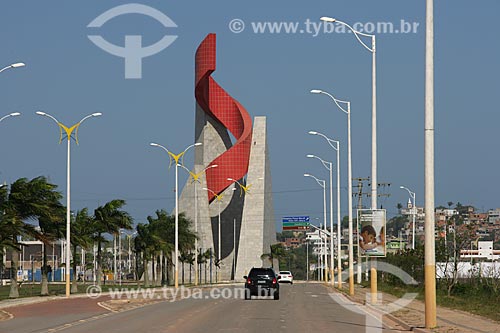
x: 412, y: 316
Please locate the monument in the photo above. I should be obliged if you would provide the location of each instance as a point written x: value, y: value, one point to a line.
x: 231, y: 183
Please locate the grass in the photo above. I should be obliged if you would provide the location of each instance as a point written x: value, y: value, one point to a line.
x: 481, y: 302
x: 33, y: 290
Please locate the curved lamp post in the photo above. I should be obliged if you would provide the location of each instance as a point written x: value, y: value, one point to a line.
x: 322, y: 183
x: 373, y: 50
x: 347, y: 111
x: 243, y: 188
x: 16, y: 65
x: 329, y: 166
x: 68, y: 131
x: 219, y: 200
x: 176, y: 158
x: 13, y: 114
x: 196, y: 177
x: 413, y: 213
x: 336, y: 146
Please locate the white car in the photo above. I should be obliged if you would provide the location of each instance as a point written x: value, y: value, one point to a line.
x: 285, y: 276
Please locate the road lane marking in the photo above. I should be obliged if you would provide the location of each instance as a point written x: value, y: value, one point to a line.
x: 7, y: 314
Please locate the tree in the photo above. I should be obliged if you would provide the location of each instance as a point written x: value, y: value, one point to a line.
x: 203, y: 257
x: 277, y: 252
x: 448, y: 250
x: 186, y: 257
x: 81, y: 236
x: 108, y: 219
x: 50, y: 220
x: 156, y: 241
x: 27, y: 201
x: 143, y: 247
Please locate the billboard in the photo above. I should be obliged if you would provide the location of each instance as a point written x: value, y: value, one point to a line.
x: 371, y: 232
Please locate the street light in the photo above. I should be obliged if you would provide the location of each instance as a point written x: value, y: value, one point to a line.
x: 16, y: 65
x: 13, y: 114
x: 176, y: 159
x: 336, y: 146
x: 430, y: 250
x: 322, y: 183
x: 68, y: 132
x: 373, y: 51
x: 219, y: 200
x: 329, y: 167
x: 195, y: 177
x: 347, y: 111
x: 129, y: 265
x: 413, y: 213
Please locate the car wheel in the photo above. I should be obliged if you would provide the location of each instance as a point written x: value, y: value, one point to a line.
x: 248, y: 295
x: 277, y: 296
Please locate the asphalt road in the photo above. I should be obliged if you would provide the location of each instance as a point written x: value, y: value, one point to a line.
x: 301, y: 308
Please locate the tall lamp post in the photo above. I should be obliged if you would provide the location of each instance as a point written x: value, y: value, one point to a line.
x: 129, y: 265
x: 347, y: 111
x: 373, y: 51
x: 16, y: 65
x: 329, y: 167
x: 336, y: 146
x: 430, y: 250
x: 176, y: 159
x: 413, y: 213
x: 68, y: 132
x: 219, y: 201
x: 322, y: 183
x: 196, y: 177
x: 243, y: 189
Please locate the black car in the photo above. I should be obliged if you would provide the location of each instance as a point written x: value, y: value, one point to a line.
x: 261, y: 281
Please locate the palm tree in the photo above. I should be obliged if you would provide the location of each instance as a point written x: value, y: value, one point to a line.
x: 81, y: 236
x: 162, y: 228
x: 186, y: 257
x: 203, y: 257
x: 142, y: 248
x: 27, y: 201
x: 108, y: 219
x: 277, y: 252
x: 50, y: 213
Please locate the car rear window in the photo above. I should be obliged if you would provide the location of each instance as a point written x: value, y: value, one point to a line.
x: 285, y: 272
x: 261, y: 271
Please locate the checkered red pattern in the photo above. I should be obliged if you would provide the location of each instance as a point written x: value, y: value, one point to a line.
x: 215, y: 101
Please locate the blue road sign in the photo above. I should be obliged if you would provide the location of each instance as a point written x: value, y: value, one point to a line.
x: 295, y: 219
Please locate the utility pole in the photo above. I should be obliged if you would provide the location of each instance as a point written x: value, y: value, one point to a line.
x: 360, y: 195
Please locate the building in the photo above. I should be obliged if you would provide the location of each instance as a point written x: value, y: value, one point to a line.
x: 293, y: 242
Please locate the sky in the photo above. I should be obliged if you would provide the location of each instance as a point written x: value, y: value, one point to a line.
x: 271, y: 74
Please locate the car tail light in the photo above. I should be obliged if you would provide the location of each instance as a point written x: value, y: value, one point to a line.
x: 249, y: 281
x: 274, y: 280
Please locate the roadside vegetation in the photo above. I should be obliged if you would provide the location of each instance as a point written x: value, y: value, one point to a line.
x: 31, y: 210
